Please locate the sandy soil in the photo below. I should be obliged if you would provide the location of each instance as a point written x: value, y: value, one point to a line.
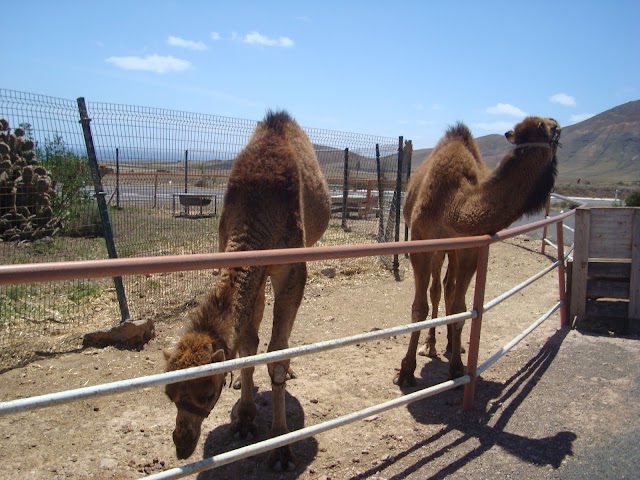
x: 546, y: 411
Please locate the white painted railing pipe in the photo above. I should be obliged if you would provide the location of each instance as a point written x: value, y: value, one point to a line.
x: 500, y: 298
x: 219, y: 367
x: 291, y: 437
x: 500, y: 353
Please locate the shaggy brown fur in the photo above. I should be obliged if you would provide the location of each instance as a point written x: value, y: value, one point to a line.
x: 453, y: 194
x: 276, y: 197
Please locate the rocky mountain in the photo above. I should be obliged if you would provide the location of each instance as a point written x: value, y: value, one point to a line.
x: 605, y: 149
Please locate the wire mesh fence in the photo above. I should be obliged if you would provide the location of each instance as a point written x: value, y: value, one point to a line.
x: 162, y: 174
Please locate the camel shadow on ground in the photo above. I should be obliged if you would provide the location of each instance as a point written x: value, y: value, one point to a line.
x: 493, y: 401
x: 220, y: 440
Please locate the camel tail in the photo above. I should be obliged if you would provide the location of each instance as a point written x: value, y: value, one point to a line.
x: 277, y: 121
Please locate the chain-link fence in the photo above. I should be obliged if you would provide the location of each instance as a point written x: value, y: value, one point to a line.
x: 162, y: 176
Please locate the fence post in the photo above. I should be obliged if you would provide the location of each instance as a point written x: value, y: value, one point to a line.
x: 544, y: 230
x: 409, y: 154
x: 476, y: 325
x: 561, y: 275
x: 380, y: 196
x: 118, y: 178
x: 396, y: 262
x: 102, y: 204
x: 186, y: 158
x: 345, y: 188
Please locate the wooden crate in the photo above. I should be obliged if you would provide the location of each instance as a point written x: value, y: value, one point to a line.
x: 605, y: 277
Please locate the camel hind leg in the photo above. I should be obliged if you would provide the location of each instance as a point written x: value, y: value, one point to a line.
x: 464, y: 270
x: 288, y: 288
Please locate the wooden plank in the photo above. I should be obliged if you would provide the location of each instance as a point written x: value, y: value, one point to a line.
x: 610, y: 232
x: 606, y: 309
x: 580, y: 265
x: 607, y: 289
x: 614, y: 269
x: 634, y: 287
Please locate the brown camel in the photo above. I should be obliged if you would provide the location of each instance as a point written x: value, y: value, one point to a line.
x: 276, y: 197
x: 453, y: 194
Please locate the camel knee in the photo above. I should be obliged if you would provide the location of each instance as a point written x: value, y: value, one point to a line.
x: 278, y: 372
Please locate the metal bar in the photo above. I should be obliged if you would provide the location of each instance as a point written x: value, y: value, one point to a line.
x: 85, y: 121
x: 500, y: 353
x: 118, y: 178
x: 42, y: 401
x: 186, y: 169
x: 499, y: 299
x: 345, y: 188
x: 561, y: 277
x: 396, y: 261
x: 40, y: 272
x: 544, y: 230
x: 380, y: 196
x: 291, y: 437
x: 476, y: 326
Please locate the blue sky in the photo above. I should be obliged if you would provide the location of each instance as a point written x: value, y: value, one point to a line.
x: 406, y: 68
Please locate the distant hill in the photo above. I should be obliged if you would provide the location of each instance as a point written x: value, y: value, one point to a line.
x: 604, y: 149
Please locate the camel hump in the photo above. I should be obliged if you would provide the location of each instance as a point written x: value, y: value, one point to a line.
x: 459, y: 131
x: 277, y: 120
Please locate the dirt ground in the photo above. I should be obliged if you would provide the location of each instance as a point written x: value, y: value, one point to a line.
x: 562, y: 404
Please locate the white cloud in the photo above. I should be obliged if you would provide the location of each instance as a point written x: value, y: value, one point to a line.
x: 215, y: 36
x: 580, y: 117
x: 563, y: 99
x: 493, y: 127
x: 255, y: 38
x: 150, y: 63
x: 181, y: 42
x: 506, y: 109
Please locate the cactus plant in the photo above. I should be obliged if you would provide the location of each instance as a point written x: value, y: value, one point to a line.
x: 25, y: 189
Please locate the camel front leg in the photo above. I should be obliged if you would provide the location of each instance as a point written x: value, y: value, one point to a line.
x: 248, y: 345
x: 288, y: 288
x: 464, y: 271
x: 435, y: 293
x: 421, y: 263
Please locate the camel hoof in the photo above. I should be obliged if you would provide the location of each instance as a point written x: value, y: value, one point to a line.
x: 404, y: 379
x: 449, y: 349
x: 456, y: 372
x: 282, y: 459
x: 243, y: 429
x: 237, y: 385
x: 428, y: 351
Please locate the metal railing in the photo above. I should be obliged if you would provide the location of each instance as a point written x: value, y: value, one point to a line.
x: 60, y: 271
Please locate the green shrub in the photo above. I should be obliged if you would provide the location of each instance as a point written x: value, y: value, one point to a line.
x: 632, y: 200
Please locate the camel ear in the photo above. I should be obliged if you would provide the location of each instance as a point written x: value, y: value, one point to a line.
x: 218, y: 356
x: 168, y: 353
x: 511, y: 136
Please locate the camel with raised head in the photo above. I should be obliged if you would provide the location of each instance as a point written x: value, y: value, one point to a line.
x: 453, y: 194
x: 276, y: 197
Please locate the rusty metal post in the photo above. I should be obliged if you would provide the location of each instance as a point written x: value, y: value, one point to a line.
x: 476, y: 325
x: 564, y: 321
x: 544, y: 230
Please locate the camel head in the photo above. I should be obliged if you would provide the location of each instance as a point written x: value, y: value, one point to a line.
x: 194, y: 398
x: 536, y: 141
x: 536, y: 130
